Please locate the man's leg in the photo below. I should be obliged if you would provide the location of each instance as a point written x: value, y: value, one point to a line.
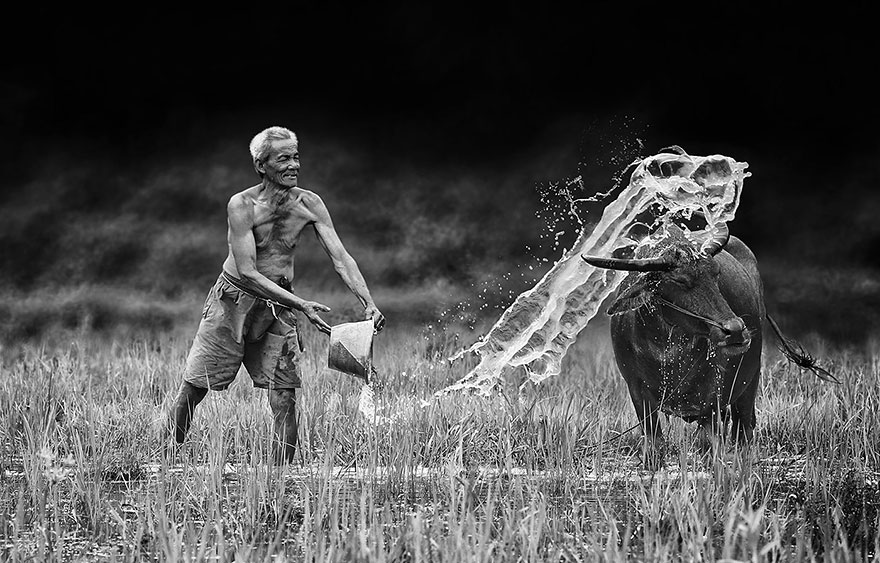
x: 283, y: 404
x: 184, y: 406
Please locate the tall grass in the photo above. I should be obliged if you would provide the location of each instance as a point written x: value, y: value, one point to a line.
x: 532, y: 473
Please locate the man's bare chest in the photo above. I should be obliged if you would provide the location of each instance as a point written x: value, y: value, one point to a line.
x: 278, y: 226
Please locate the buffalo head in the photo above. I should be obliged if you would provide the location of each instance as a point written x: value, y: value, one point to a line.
x: 681, y: 284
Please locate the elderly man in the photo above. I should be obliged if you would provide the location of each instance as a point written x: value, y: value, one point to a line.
x: 248, y: 318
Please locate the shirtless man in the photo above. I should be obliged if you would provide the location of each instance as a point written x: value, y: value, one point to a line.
x: 248, y: 318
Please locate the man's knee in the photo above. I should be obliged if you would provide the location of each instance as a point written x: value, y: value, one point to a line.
x: 282, y: 401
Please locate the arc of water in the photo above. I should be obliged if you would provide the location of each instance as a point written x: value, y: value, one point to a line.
x: 538, y: 328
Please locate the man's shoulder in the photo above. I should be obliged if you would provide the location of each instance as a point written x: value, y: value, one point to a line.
x: 313, y: 208
x: 247, y: 194
x: 307, y: 196
x: 244, y: 197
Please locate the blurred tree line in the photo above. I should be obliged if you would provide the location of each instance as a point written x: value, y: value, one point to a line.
x: 157, y: 225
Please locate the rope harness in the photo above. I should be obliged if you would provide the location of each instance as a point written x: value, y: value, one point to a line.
x: 706, y: 320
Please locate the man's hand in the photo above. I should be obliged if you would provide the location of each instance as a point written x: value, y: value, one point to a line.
x: 311, y: 310
x: 373, y: 313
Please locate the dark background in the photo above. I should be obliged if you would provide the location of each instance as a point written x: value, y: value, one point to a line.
x: 431, y: 132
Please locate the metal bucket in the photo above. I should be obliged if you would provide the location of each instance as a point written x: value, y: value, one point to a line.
x: 351, y: 349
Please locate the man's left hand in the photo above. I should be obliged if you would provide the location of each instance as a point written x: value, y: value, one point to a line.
x: 373, y: 313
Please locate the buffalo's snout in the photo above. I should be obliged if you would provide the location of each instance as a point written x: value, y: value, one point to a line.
x: 732, y: 335
x: 733, y: 326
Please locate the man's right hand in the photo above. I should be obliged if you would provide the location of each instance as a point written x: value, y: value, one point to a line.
x: 311, y: 310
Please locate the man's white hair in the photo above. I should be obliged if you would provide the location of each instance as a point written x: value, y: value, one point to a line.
x: 262, y: 141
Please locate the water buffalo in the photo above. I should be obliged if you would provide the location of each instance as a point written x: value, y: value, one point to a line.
x: 686, y: 328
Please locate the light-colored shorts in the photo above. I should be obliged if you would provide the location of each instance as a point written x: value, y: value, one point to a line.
x: 238, y: 328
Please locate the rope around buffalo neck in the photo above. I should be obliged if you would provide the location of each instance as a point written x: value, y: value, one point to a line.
x: 706, y: 320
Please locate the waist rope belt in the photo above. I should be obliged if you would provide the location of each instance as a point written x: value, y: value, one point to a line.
x: 270, y: 302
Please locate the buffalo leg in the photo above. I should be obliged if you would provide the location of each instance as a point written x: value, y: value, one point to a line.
x: 711, y: 431
x: 743, y: 414
x: 647, y: 411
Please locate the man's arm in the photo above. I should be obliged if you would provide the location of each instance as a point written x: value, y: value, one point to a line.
x: 344, y: 264
x: 244, y: 252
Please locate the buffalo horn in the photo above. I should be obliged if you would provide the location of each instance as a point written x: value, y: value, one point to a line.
x: 629, y: 264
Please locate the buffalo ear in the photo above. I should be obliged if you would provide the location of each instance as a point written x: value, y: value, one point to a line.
x: 631, y: 296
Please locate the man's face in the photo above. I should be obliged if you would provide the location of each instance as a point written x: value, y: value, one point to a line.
x: 282, y: 165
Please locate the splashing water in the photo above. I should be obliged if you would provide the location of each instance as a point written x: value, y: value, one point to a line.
x: 537, y: 329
